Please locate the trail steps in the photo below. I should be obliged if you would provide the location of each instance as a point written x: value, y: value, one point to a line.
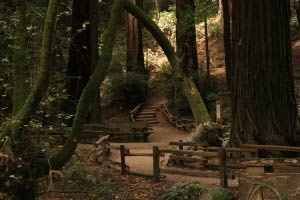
x: 148, y: 114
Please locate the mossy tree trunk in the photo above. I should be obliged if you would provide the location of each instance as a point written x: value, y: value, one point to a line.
x: 19, y: 57
x: 190, y: 90
x: 264, y: 108
x: 19, y: 135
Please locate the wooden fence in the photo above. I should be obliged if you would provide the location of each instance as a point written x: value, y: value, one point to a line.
x: 219, y: 153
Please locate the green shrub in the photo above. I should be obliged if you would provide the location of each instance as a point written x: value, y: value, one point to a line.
x: 193, y: 191
x: 221, y: 194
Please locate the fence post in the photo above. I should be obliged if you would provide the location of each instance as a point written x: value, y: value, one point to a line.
x: 156, y: 169
x: 223, y: 171
x: 123, y: 163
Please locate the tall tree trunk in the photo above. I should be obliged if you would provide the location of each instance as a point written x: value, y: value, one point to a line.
x: 227, y: 41
x: 263, y: 103
x: 19, y: 57
x: 186, y: 33
x: 79, y: 69
x: 134, y: 41
x: 207, y: 49
x: 95, y: 112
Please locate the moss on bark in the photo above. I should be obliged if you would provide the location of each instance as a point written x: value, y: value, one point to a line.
x: 19, y: 57
x: 88, y: 94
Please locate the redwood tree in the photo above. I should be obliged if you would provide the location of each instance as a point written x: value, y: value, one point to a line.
x: 134, y: 41
x: 263, y: 103
x: 186, y: 33
x: 227, y: 39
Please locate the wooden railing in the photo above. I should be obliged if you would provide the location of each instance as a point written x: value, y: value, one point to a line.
x: 138, y: 131
x: 180, y: 123
x: 135, y: 111
x: 220, y: 153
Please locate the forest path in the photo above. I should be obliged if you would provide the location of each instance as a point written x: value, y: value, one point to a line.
x: 163, y: 133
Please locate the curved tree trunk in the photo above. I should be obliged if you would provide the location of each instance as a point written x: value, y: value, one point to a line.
x: 263, y: 103
x: 59, y: 159
x: 196, y: 103
x: 20, y: 140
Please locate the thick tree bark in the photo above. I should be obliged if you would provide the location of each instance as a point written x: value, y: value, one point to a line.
x: 186, y: 33
x: 59, y: 159
x: 196, y: 103
x: 263, y: 103
x: 79, y: 69
x: 19, y: 56
x: 227, y: 40
x: 95, y: 113
x: 207, y: 49
x: 134, y: 41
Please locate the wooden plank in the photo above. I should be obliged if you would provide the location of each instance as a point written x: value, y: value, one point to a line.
x: 139, y: 154
x: 255, y: 170
x: 257, y: 162
x: 188, y: 152
x: 190, y: 173
x: 187, y: 159
x: 270, y: 147
x: 239, y: 150
x: 203, y: 146
x: 193, y: 144
x: 228, y: 166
